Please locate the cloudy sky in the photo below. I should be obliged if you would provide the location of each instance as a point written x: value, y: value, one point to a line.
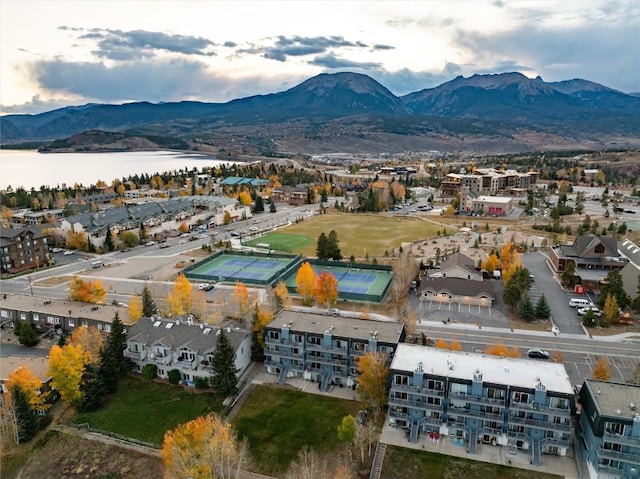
x: 57, y: 53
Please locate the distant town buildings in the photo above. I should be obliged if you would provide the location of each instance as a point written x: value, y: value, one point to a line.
x: 489, y: 181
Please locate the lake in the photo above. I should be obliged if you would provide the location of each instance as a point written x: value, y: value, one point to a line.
x: 31, y: 169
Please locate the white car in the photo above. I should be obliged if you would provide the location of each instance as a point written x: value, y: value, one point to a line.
x: 594, y: 310
x: 68, y: 252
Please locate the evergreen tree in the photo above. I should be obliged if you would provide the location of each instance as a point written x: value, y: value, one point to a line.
x: 224, y: 378
x: 117, y: 343
x: 149, y: 307
x: 323, y: 195
x: 272, y: 207
x: 93, y: 389
x: 27, y: 336
x: 614, y: 286
x: 142, y: 233
x: 322, y: 246
x: 333, y: 250
x: 526, y: 309
x: 257, y: 351
x: 108, y: 241
x: 109, y: 370
x: 542, y: 308
x: 259, y: 204
x: 636, y: 302
x: 26, y: 417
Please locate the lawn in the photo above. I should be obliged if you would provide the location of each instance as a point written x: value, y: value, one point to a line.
x: 277, y: 422
x: 359, y: 234
x: 145, y: 410
x: 412, y: 464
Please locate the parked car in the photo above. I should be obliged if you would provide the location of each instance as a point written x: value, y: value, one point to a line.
x: 150, y: 243
x: 56, y: 250
x: 205, y: 287
x: 68, y: 252
x: 594, y: 310
x: 538, y: 354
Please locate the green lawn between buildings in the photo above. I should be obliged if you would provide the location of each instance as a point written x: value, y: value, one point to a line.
x: 359, y: 235
x: 412, y: 464
x: 277, y: 422
x: 145, y: 410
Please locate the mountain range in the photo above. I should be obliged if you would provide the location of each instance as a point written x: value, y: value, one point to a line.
x: 342, y: 111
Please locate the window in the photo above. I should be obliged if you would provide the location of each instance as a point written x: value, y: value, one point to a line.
x: 23, y: 316
x: 314, y: 340
x: 297, y: 338
x: 4, y: 314
x: 434, y: 401
x: 273, y: 335
x: 36, y: 317
x: 53, y: 320
x: 401, y: 380
x: 614, y: 428
x: 359, y: 346
x: 105, y: 328
x: 71, y: 323
x: 435, y: 385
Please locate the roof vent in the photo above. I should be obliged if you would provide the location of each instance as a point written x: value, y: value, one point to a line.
x: 632, y: 406
x: 618, y: 412
x: 206, y: 331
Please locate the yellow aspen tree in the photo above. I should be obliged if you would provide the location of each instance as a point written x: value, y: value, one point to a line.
x: 90, y: 340
x: 135, y: 308
x: 601, y: 370
x: 179, y: 298
x: 245, y: 198
x: 204, y: 448
x: 282, y: 294
x: 241, y: 298
x: 305, y: 283
x: 66, y: 365
x: 557, y: 357
x: 326, y: 289
x: 24, y: 378
x: 491, y: 263
x: 199, y: 304
x: 497, y: 350
x: 373, y: 374
x: 455, y: 346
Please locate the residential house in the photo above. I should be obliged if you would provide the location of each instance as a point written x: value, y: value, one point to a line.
x: 456, y: 290
x: 480, y: 400
x: 609, y: 429
x: 631, y: 271
x: 22, y: 249
x: 458, y: 266
x: 489, y: 181
x: 183, y: 344
x: 325, y: 348
x: 594, y: 257
x: 59, y: 315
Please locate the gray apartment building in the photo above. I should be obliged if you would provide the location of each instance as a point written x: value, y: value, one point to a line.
x: 609, y: 429
x: 323, y: 347
x: 481, y: 401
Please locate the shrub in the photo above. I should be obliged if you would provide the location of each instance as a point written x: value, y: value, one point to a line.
x: 174, y: 376
x: 150, y: 371
x: 202, y: 383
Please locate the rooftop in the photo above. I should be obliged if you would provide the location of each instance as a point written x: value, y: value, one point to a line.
x: 614, y: 399
x: 64, y: 308
x: 525, y: 373
x: 342, y: 326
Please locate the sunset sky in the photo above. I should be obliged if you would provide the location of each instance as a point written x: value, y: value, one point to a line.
x: 59, y: 53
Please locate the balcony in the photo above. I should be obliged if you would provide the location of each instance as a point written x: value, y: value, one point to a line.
x: 325, y: 349
x: 620, y: 439
x: 554, y: 441
x: 326, y: 360
x: 518, y: 406
x: 160, y: 359
x: 477, y: 399
x: 540, y: 424
x: 422, y: 405
x: 186, y: 363
x: 282, y: 354
x: 417, y: 390
x: 628, y: 457
x: 135, y: 355
x: 518, y: 436
x: 462, y: 411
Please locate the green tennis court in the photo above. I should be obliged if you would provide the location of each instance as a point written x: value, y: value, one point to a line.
x: 250, y: 268
x: 358, y: 282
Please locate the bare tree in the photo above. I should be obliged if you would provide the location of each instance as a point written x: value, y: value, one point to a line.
x: 404, y: 271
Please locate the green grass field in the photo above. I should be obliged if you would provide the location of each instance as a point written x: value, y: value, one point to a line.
x: 278, y: 422
x: 145, y: 410
x: 359, y: 235
x: 412, y: 464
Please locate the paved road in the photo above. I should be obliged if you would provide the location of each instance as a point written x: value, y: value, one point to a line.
x: 563, y: 316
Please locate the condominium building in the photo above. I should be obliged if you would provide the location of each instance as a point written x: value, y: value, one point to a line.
x: 22, y: 249
x: 481, y: 400
x: 324, y: 347
x: 609, y: 429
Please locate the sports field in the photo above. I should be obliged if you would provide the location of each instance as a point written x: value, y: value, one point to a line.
x: 248, y: 268
x: 358, y: 234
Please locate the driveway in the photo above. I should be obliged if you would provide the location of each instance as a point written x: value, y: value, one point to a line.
x: 563, y: 315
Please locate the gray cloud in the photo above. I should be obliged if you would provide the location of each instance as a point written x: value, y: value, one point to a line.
x: 36, y: 105
x: 298, y: 46
x: 331, y: 61
x: 128, y: 45
x: 406, y: 81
